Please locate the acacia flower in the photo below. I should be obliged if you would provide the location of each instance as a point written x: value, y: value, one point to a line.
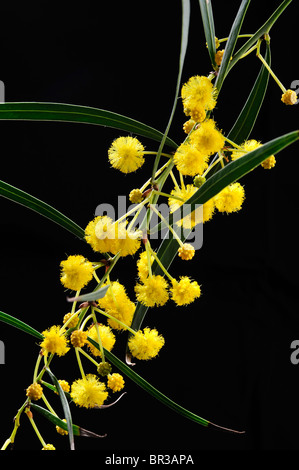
x: 153, y: 291
x: 48, y: 447
x: 136, y: 196
x: 126, y: 154
x: 142, y: 265
x: 34, y: 391
x: 207, y: 138
x: 117, y: 303
x: 289, y: 97
x: 269, y: 162
x: 101, y: 239
x: 115, y: 382
x: 54, y: 342
x: 76, y: 272
x: 184, y: 291
x: 74, y: 319
x: 193, y: 218
x: 146, y: 344
x: 247, y: 146
x: 189, y: 160
x: 64, y: 385
x: 107, y: 338
x: 230, y: 199
x: 198, y: 96
x: 89, y: 392
x: 62, y: 431
x: 78, y: 338
x: 186, y: 251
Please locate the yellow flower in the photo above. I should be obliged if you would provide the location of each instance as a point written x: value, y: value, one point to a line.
x: 34, y: 391
x: 117, y: 303
x: 208, y: 210
x: 146, y: 344
x: 74, y: 320
x: 89, y: 392
x: 198, y: 96
x: 78, y: 338
x: 54, y: 342
x: 289, y: 97
x: 142, y: 265
x: 186, y: 251
x: 153, y: 291
x: 189, y: 160
x: 76, y: 272
x: 230, y: 199
x: 106, y: 335
x: 188, y: 126
x: 247, y: 146
x: 219, y: 56
x: 185, y: 291
x: 207, y: 138
x: 115, y: 382
x: 64, y: 385
x: 126, y: 154
x: 62, y: 431
x: 193, y: 218
x: 127, y: 241
x: 49, y: 447
x: 269, y: 162
x: 136, y: 196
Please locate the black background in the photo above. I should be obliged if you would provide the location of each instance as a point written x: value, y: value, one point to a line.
x: 227, y: 357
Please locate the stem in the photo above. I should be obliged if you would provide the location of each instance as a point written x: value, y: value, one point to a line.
x: 115, y: 319
x: 168, y: 195
x: 175, y: 235
x: 11, y: 439
x: 98, y: 334
x: 48, y: 405
x: 148, y: 253
x: 88, y: 356
x: 80, y: 363
x: 161, y: 265
x: 155, y: 153
x: 29, y: 414
x: 40, y: 356
x: 258, y: 54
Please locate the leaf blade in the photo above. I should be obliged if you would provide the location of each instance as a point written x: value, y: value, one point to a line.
x: 19, y: 324
x: 209, y: 28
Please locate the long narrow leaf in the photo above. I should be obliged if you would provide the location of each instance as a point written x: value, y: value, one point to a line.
x: 21, y: 197
x: 66, y: 409
x: 128, y: 371
x: 15, y: 322
x: 209, y: 27
x: 61, y: 112
x: 230, y: 45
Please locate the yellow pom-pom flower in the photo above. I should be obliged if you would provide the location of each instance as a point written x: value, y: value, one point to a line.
x: 189, y: 160
x: 247, y: 146
x: 269, y: 163
x: 115, y: 382
x: 184, y: 291
x: 230, y: 199
x: 48, y: 447
x: 107, y: 338
x: 54, y: 342
x: 188, y: 126
x: 193, y: 218
x: 186, y: 251
x: 61, y: 431
x: 64, y: 385
x: 136, y: 196
x: 198, y: 96
x: 74, y: 319
x: 146, y: 344
x: 76, y: 272
x: 34, y: 391
x: 89, y: 392
x: 289, y: 97
x: 117, y: 303
x: 207, y: 138
x: 219, y: 56
x: 126, y: 154
x: 153, y: 291
x: 78, y: 338
x: 142, y: 265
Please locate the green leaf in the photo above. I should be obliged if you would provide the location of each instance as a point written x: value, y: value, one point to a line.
x: 230, y: 45
x: 95, y: 295
x: 61, y: 112
x: 247, y: 118
x: 77, y: 430
x: 261, y: 31
x: 15, y: 322
x: 66, y: 408
x: 209, y: 28
x: 128, y: 371
x: 21, y: 197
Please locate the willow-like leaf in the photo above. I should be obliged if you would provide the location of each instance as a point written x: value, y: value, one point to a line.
x: 77, y: 430
x: 209, y: 27
x: 16, y: 323
x: 21, y: 197
x: 95, y: 295
x: 66, y: 408
x: 62, y: 112
x: 230, y: 45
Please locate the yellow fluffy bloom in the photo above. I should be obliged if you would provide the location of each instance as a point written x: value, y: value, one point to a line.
x: 186, y: 251
x: 76, y: 272
x: 115, y: 382
x: 185, y: 291
x: 198, y: 96
x: 230, y: 199
x: 64, y: 385
x: 193, y: 218
x: 54, y: 342
x: 153, y: 291
x: 106, y: 335
x: 269, y: 162
x: 48, y: 447
x: 62, y: 431
x: 146, y: 344
x: 189, y: 160
x: 136, y: 196
x: 247, y: 146
x: 117, y: 303
x: 219, y: 56
x: 142, y: 265
x: 34, y: 391
x: 188, y: 126
x: 72, y: 319
x: 289, y: 97
x: 89, y: 392
x: 126, y: 154
x: 78, y: 338
x: 207, y: 138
